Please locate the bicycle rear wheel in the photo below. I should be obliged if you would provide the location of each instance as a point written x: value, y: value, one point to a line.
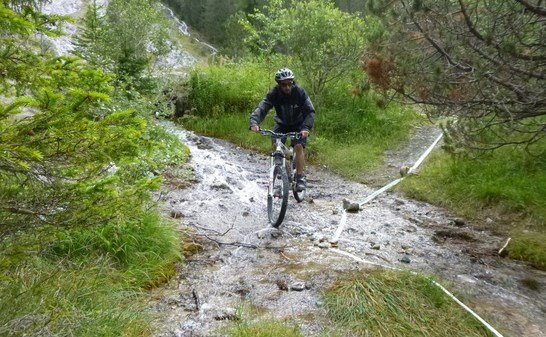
x: 277, y: 198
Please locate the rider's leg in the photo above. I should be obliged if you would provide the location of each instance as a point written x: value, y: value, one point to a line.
x: 300, y: 159
x: 301, y: 182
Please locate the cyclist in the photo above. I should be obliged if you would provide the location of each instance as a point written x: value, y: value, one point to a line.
x: 294, y: 113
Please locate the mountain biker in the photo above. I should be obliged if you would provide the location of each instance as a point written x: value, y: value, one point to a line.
x: 294, y: 113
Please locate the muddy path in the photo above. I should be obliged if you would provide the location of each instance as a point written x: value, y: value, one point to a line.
x: 282, y: 272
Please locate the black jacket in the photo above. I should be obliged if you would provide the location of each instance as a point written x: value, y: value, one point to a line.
x: 294, y: 109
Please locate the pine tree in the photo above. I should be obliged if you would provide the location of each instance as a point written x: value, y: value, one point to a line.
x: 90, y: 40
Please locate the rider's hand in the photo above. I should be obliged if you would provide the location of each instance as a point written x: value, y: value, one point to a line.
x: 255, y: 128
x: 304, y: 133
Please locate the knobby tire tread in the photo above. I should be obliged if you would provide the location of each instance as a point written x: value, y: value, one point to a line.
x: 284, y: 203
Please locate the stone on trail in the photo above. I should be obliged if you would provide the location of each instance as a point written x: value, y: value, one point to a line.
x: 351, y: 206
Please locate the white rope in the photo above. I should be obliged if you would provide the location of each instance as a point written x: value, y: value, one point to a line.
x: 425, y: 154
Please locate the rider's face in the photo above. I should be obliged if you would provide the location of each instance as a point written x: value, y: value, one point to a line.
x: 286, y: 86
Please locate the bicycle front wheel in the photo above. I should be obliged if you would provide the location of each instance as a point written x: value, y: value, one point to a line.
x: 277, y: 198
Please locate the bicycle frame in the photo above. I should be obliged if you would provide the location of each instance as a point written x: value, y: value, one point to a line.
x: 281, y: 170
x: 282, y: 155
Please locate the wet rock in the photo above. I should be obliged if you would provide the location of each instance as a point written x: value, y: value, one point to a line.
x: 176, y: 214
x: 405, y: 259
x: 324, y: 244
x: 376, y: 246
x: 298, y: 286
x: 275, y: 233
x: 530, y: 283
x: 458, y: 222
x: 438, y: 239
x: 317, y: 237
x: 349, y: 206
x: 246, y: 213
x: 191, y: 248
x: 204, y: 144
x: 227, y: 314
x: 281, y: 284
x: 415, y: 220
x: 466, y: 278
x: 404, y: 170
x: 411, y: 229
x: 221, y: 186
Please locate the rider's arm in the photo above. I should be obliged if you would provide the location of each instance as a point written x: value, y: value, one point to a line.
x: 261, y: 110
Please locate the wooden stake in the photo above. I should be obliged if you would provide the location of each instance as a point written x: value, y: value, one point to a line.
x: 506, y: 244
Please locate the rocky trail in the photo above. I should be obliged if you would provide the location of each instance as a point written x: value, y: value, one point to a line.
x: 244, y: 261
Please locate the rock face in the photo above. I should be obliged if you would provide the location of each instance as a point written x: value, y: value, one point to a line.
x: 176, y: 60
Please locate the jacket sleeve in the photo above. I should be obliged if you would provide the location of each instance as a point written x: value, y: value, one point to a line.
x: 261, y: 110
x: 309, y: 114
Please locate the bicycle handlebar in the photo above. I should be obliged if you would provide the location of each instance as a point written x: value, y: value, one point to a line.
x: 265, y: 132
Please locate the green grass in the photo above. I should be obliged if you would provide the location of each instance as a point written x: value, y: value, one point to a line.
x: 387, y: 303
x: 254, y: 321
x: 264, y: 328
x: 508, y: 186
x: 87, y: 282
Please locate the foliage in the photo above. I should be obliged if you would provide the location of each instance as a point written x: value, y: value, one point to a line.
x: 78, y: 164
x: 264, y: 328
x: 386, y: 303
x: 108, y: 39
x: 88, y: 281
x: 480, y: 65
x: 231, y: 88
x: 211, y: 17
x: 69, y: 155
x: 251, y: 321
x: 325, y: 41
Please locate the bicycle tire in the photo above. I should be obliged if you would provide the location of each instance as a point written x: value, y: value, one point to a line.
x: 299, y: 196
x: 276, y: 205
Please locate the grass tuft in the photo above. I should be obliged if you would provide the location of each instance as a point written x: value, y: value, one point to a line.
x: 387, y: 303
x: 88, y: 282
x: 251, y: 322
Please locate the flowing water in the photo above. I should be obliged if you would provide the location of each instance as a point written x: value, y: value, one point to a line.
x: 281, y: 272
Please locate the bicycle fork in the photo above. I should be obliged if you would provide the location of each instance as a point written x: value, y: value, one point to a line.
x: 276, y: 160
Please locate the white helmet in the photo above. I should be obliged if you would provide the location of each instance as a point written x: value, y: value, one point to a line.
x: 284, y: 74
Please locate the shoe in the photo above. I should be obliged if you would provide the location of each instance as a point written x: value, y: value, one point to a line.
x: 301, y: 183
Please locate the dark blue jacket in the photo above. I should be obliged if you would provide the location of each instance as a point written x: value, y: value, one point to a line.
x: 293, y: 110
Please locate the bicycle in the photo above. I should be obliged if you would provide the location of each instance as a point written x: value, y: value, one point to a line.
x: 282, y: 177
